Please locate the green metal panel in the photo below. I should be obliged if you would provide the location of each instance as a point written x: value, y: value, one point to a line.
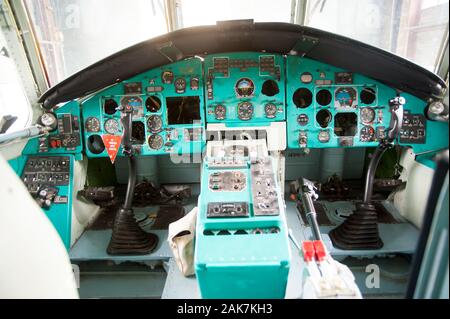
x: 240, y: 266
x: 189, y: 68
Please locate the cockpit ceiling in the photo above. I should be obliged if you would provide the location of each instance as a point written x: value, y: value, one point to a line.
x: 239, y: 36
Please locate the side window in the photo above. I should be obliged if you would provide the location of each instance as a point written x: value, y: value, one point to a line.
x: 13, y: 100
x: 72, y: 34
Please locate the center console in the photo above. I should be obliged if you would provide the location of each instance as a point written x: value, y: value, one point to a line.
x: 242, y: 248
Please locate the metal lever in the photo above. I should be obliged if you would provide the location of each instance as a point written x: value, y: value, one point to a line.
x: 396, y: 104
x: 308, y: 195
x: 126, y: 120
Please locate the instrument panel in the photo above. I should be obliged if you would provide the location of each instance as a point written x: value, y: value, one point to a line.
x: 244, y: 87
x: 323, y: 106
x: 167, y: 114
x: 330, y: 107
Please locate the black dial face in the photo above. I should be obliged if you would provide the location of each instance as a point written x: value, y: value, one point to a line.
x: 345, y: 97
x: 153, y: 104
x: 367, y: 134
x: 245, y: 111
x: 155, y: 142
x: 271, y: 110
x: 180, y: 85
x: 220, y: 112
x: 110, y: 106
x: 154, y: 123
x: 244, y: 87
x: 167, y: 77
x: 111, y: 126
x: 367, y: 115
x: 92, y: 124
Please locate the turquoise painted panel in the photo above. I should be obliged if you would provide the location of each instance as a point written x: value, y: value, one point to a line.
x: 323, y: 78
x: 175, y: 136
x: 239, y: 266
x: 32, y: 146
x: 60, y: 214
x: 242, y: 69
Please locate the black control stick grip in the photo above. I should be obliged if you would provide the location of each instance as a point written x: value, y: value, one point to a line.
x: 396, y: 106
x: 126, y: 119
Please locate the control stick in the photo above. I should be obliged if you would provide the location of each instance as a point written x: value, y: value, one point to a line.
x: 127, y: 237
x: 360, y: 230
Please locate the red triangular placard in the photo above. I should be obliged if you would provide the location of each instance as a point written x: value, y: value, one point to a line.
x: 112, y: 144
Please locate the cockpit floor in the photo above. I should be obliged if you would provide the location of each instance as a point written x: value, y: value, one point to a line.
x: 399, y: 239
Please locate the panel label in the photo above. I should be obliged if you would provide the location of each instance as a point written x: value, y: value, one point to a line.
x: 112, y: 145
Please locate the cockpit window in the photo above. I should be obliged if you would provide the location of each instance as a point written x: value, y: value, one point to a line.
x: 15, y: 109
x: 73, y: 34
x: 204, y: 12
x: 413, y: 29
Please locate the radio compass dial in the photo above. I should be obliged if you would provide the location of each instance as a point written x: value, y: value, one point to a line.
x: 154, y: 123
x: 367, y: 115
x: 112, y: 126
x: 270, y: 110
x: 220, y: 112
x: 245, y: 111
x: 155, y: 141
x: 92, y: 124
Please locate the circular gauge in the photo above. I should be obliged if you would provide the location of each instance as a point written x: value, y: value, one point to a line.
x: 271, y: 110
x: 367, y: 134
x: 244, y: 87
x: 324, y: 136
x: 302, y: 119
x: 180, y: 85
x: 345, y: 97
x: 92, y: 124
x: 302, y: 98
x: 49, y: 120
x: 367, y: 95
x: 154, y: 123
x: 306, y: 77
x: 111, y: 126
x: 167, y: 77
x: 323, y: 118
x: 270, y: 88
x: 367, y: 115
x: 195, y: 82
x: 95, y: 144
x: 323, y: 97
x: 155, y: 141
x: 153, y: 103
x: 245, y: 111
x: 220, y: 112
x: 110, y: 106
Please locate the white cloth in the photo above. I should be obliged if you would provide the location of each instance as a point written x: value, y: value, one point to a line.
x: 181, y: 241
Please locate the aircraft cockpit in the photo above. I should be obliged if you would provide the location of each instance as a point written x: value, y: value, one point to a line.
x: 238, y: 159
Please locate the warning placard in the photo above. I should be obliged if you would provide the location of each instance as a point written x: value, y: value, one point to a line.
x: 112, y: 145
